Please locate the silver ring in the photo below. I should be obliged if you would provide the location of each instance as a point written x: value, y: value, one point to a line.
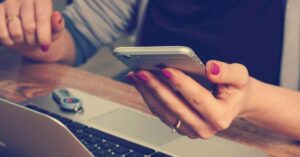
x: 176, y: 126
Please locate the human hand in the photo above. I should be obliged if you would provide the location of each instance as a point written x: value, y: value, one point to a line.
x: 201, y: 113
x: 29, y: 24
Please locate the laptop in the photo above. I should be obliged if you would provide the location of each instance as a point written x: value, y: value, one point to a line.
x: 39, y: 128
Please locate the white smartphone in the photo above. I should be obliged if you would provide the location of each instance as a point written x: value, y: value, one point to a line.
x: 155, y: 58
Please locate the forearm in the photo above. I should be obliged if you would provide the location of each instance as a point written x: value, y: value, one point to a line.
x: 61, y: 50
x: 275, y: 108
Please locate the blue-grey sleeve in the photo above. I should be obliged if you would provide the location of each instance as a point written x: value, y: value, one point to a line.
x: 84, y: 48
x: 96, y: 23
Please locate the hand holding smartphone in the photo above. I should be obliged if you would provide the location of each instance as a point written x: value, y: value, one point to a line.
x: 155, y: 58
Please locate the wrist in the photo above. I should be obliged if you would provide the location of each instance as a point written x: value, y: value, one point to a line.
x: 255, y: 97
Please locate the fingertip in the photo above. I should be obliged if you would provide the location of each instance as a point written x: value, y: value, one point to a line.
x: 56, y: 15
x: 233, y: 74
x: 45, y: 47
x: 130, y: 77
x: 166, y: 73
x: 57, y: 19
x: 143, y: 76
x: 8, y: 43
x: 213, y: 70
x: 130, y: 73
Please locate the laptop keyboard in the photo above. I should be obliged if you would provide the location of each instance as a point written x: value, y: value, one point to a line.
x: 102, y: 144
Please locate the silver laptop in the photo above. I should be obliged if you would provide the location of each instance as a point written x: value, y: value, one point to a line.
x: 39, y: 128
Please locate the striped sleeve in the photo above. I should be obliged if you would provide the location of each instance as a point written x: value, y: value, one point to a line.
x: 95, y: 23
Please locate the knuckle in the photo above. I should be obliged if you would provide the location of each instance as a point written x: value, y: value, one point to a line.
x: 30, y: 28
x: 177, y: 84
x: 221, y: 125
x: 243, y: 71
x: 240, y: 68
x: 7, y: 42
x: 196, y: 100
x: 4, y: 35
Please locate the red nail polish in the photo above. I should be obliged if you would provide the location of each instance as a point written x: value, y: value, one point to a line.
x: 60, y: 20
x: 142, y: 77
x: 215, y: 69
x: 45, y: 48
x: 167, y: 74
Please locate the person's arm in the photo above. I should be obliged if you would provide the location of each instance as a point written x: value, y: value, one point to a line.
x: 275, y: 108
x: 202, y: 113
x: 90, y: 25
x: 94, y: 24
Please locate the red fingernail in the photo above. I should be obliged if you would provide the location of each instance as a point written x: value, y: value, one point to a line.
x: 215, y: 69
x: 142, y: 77
x: 60, y: 20
x: 45, y: 48
x: 167, y: 74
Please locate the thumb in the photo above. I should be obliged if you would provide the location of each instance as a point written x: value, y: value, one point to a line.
x: 57, y: 23
x: 223, y: 73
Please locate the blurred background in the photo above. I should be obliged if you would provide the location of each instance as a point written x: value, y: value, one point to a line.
x: 104, y: 63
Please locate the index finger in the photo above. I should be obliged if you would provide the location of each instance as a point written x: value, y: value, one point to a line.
x: 43, y: 11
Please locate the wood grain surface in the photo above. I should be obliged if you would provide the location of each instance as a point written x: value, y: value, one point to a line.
x: 20, y: 81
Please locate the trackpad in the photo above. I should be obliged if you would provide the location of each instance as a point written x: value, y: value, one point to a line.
x: 137, y: 126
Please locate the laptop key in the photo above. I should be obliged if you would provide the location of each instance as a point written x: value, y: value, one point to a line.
x: 101, y: 152
x: 120, y: 141
x: 91, y: 147
x: 120, y: 150
x: 159, y: 154
x: 76, y: 126
x: 80, y: 134
x: 134, y: 154
x: 92, y: 140
x: 106, y: 145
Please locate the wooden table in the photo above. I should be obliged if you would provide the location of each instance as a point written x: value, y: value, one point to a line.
x: 21, y: 81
